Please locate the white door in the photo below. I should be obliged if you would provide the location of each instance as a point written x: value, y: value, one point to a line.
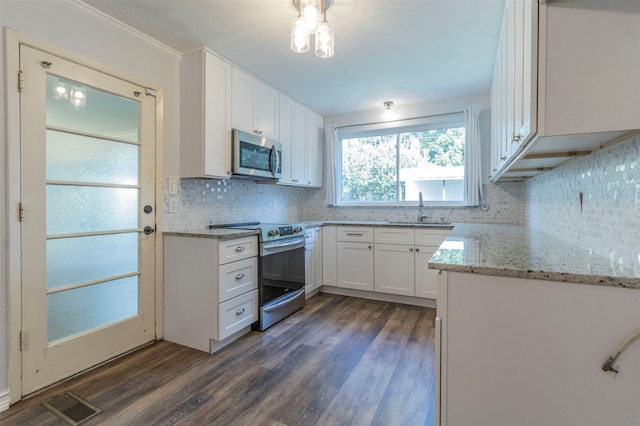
x: 87, y: 174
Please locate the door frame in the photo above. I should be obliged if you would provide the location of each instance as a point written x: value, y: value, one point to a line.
x: 13, y: 40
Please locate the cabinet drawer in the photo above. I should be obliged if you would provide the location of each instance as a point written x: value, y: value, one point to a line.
x: 237, y: 313
x: 355, y: 234
x: 236, y: 278
x: 388, y: 235
x: 237, y: 249
x: 430, y: 237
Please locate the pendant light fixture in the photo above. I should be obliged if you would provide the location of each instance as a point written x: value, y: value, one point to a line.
x: 308, y: 22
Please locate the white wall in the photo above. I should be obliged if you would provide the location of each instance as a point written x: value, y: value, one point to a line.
x: 73, y: 26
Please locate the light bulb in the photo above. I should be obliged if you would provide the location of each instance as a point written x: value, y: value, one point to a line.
x: 324, y: 40
x: 310, y: 14
x: 299, y: 36
x: 388, y: 112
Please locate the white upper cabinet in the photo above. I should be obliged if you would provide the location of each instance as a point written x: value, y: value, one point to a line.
x: 205, y: 115
x: 315, y: 150
x: 565, y: 83
x: 255, y: 106
x: 301, y: 135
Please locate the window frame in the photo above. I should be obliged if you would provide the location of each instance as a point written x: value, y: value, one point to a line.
x: 436, y: 122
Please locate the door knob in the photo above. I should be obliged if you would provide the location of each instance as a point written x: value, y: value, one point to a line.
x: 149, y: 230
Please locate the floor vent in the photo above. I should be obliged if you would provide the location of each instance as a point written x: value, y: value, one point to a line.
x: 71, y: 408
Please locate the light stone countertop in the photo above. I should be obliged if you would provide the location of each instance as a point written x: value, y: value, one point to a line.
x: 493, y: 249
x: 218, y: 233
x: 522, y: 252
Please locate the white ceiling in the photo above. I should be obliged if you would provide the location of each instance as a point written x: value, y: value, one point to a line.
x: 406, y: 51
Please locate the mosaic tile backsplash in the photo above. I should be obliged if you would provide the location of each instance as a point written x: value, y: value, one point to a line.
x: 605, y: 220
x: 201, y: 202
x: 505, y: 206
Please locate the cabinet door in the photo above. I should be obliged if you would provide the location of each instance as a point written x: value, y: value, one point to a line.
x: 286, y: 118
x: 217, y: 117
x: 394, y: 269
x: 426, y: 279
x: 244, y: 102
x: 309, y: 268
x: 315, y: 151
x: 317, y: 258
x: 299, y: 145
x: 205, y: 111
x: 268, y: 112
x: 355, y: 266
x: 329, y: 260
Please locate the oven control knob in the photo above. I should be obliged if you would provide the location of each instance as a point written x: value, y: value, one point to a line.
x: 297, y: 229
x: 273, y: 233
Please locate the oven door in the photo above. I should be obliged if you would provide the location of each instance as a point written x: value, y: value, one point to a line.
x: 281, y: 287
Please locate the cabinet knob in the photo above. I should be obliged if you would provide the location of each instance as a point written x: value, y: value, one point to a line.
x: 239, y: 276
x: 370, y: 247
x: 240, y: 311
x: 417, y: 249
x: 411, y: 249
x: 239, y: 249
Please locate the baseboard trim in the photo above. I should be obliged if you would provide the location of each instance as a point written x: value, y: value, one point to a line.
x: 407, y: 300
x: 4, y: 401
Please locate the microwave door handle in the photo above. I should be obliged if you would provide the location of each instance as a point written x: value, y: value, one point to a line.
x: 274, y: 160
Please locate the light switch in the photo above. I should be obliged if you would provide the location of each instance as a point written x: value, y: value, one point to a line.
x: 173, y: 183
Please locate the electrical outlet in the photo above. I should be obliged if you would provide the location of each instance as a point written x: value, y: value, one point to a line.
x: 173, y: 183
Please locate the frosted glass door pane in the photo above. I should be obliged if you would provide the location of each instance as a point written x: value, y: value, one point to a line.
x: 78, y: 158
x: 83, y: 309
x: 96, y: 111
x: 73, y: 209
x: 82, y: 259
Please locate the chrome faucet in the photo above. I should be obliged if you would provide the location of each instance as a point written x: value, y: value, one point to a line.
x: 421, y: 217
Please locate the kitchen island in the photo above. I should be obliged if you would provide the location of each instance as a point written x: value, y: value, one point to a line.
x: 526, y: 324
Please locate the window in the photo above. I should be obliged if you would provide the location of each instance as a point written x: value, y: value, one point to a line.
x: 395, y: 165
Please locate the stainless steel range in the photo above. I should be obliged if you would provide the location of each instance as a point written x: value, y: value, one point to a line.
x: 281, y: 269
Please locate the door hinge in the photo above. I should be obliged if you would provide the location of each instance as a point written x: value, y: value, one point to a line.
x: 20, y: 212
x: 20, y: 81
x: 23, y: 340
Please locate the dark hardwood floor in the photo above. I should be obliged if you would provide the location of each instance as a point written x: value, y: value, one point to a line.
x: 339, y: 361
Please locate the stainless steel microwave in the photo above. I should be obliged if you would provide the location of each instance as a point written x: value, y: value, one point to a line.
x: 256, y: 156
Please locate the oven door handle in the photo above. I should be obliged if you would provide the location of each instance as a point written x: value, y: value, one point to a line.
x: 285, y: 301
x: 293, y: 244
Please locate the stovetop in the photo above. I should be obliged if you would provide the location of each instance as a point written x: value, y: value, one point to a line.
x: 267, y: 231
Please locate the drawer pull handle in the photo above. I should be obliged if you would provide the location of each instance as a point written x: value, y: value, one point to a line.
x: 239, y: 276
x: 354, y: 234
x: 239, y: 249
x: 240, y: 311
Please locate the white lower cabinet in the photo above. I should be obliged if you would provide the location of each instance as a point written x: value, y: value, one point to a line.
x: 313, y: 259
x: 528, y: 352
x: 382, y: 259
x: 210, y: 290
x: 426, y: 279
x: 394, y: 269
x: 329, y: 258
